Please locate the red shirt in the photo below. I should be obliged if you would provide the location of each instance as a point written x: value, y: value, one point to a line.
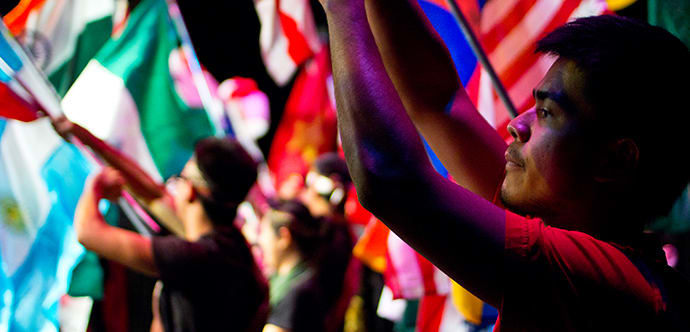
x: 559, y: 280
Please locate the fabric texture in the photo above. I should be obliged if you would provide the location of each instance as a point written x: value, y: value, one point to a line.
x: 209, y: 285
x: 559, y: 280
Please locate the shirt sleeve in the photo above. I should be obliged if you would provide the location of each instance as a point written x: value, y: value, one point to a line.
x: 568, y: 276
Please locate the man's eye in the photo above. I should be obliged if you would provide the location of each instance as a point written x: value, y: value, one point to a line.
x: 543, y: 113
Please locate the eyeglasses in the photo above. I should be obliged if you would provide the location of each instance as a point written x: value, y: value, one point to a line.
x: 323, y: 185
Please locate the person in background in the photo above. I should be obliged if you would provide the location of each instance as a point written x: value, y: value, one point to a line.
x: 295, y: 251
x: 210, y: 280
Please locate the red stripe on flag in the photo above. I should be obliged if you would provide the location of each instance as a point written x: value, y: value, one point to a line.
x: 493, y: 37
x: 14, y: 107
x: 298, y: 48
x: 428, y: 270
x: 430, y: 314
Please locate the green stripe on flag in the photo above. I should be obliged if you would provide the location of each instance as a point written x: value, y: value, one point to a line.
x: 89, y: 42
x: 140, y: 57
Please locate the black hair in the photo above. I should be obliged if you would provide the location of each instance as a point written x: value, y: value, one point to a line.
x: 306, y: 230
x: 331, y: 163
x: 632, y: 72
x: 229, y: 172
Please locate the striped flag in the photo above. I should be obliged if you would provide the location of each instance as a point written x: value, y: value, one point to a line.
x: 126, y: 95
x: 288, y: 36
x: 62, y: 35
x: 41, y: 178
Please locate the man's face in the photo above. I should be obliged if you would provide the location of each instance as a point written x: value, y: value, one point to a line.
x: 548, y: 165
x: 317, y: 188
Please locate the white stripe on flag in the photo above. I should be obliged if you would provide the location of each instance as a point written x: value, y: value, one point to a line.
x: 62, y: 22
x: 524, y: 35
x: 404, y: 261
x: 25, y: 147
x: 101, y: 103
x: 494, y: 12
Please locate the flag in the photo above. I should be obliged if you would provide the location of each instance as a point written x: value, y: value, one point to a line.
x: 508, y: 31
x: 308, y: 126
x: 409, y: 275
x: 15, y: 102
x: 62, y: 35
x: 288, y: 36
x: 41, y: 179
x: 126, y: 95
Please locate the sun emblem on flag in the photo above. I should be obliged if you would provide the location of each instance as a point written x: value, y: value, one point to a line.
x: 11, y: 215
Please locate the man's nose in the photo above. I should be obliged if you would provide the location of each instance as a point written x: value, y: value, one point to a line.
x: 519, y: 127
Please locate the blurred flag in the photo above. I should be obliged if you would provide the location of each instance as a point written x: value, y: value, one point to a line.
x: 508, y: 31
x: 308, y: 126
x: 62, y: 35
x: 126, y: 95
x: 41, y: 179
x: 288, y: 36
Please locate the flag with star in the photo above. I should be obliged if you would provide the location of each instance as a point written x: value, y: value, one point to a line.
x: 308, y: 126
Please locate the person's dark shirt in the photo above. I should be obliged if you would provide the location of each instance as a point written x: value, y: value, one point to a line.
x: 211, y: 284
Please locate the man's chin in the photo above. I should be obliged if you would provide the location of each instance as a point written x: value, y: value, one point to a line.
x: 511, y: 203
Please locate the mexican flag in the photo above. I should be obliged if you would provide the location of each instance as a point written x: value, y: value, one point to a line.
x: 126, y: 95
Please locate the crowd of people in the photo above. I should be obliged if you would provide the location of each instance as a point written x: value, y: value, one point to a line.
x: 548, y: 229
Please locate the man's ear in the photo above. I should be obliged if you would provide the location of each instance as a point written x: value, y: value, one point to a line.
x: 284, y: 237
x: 617, y: 160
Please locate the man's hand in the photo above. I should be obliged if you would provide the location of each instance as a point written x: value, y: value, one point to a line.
x: 123, y: 246
x: 63, y: 126
x: 87, y: 219
x: 108, y: 184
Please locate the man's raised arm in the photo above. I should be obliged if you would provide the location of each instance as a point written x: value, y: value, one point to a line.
x: 457, y: 230
x: 422, y: 71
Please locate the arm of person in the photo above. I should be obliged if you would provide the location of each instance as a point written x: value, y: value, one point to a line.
x: 141, y: 184
x: 125, y: 247
x: 422, y: 71
x: 457, y: 230
x: 137, y: 179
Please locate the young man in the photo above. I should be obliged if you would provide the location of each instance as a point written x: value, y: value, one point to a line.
x: 596, y: 158
x: 210, y: 279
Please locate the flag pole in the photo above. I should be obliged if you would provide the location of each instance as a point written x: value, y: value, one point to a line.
x: 210, y: 103
x: 481, y: 56
x: 22, y: 69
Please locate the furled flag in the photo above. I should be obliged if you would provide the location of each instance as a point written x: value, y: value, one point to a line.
x: 62, y: 35
x: 308, y: 126
x: 126, y: 95
x: 41, y: 179
x: 288, y: 36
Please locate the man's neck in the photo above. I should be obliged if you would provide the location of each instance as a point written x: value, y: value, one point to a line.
x: 196, y: 222
x: 289, y: 261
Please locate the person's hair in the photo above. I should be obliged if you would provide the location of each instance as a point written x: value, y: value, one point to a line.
x: 307, y: 231
x: 633, y: 79
x: 229, y: 172
x: 331, y: 163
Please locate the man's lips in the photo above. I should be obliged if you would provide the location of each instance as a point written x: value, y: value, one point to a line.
x: 513, y: 159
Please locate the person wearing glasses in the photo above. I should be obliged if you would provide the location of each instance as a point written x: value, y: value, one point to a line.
x: 209, y: 278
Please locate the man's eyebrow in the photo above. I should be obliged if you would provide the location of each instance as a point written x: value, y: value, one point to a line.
x: 559, y: 97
